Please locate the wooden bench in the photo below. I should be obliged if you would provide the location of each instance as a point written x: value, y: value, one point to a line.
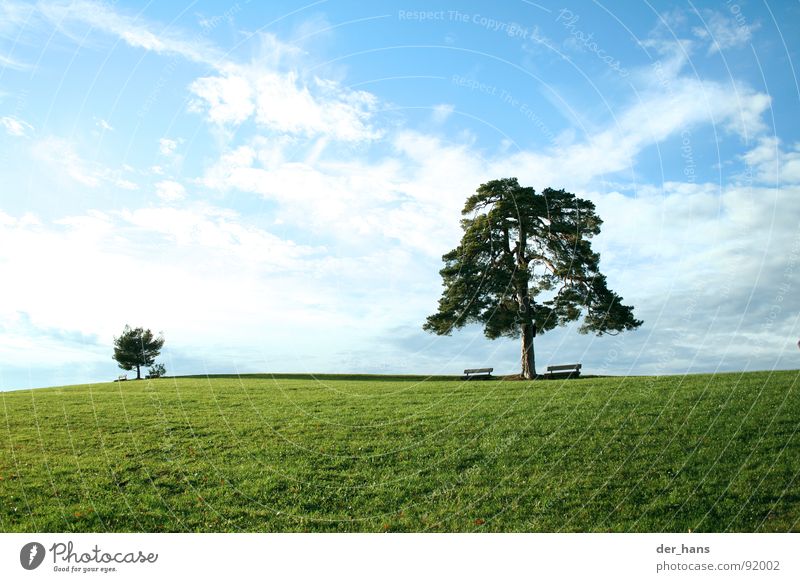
x: 563, y: 371
x: 478, y: 373
x: 122, y: 377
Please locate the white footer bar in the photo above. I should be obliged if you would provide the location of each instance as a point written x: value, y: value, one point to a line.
x: 355, y: 557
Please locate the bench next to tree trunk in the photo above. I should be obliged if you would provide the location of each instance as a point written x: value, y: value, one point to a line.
x: 478, y: 373
x: 563, y: 371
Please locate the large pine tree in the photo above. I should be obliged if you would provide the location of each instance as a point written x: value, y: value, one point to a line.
x: 524, y: 266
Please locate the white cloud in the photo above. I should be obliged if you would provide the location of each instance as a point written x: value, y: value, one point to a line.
x: 442, y: 112
x: 15, y: 127
x: 22, y: 343
x: 288, y: 106
x: 122, y: 183
x: 283, y: 103
x: 279, y: 100
x: 770, y: 164
x: 399, y: 196
x: 7, y: 62
x: 690, y: 228
x: 669, y: 103
x: 60, y: 154
x: 133, y: 30
x: 704, y: 264
x: 104, y: 125
x: 166, y: 147
x: 170, y: 191
x: 227, y: 99
x: 14, y: 15
x: 62, y: 157
x: 724, y: 32
x: 221, y: 233
x: 210, y: 272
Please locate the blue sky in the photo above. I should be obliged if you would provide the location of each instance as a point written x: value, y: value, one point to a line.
x: 272, y: 185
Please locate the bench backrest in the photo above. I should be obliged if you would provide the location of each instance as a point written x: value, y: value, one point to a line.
x: 564, y: 367
x: 479, y: 371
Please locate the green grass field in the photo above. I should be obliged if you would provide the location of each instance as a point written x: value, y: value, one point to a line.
x: 670, y: 454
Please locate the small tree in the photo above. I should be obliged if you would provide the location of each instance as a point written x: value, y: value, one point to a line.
x: 136, y: 348
x: 157, y: 371
x: 517, y: 247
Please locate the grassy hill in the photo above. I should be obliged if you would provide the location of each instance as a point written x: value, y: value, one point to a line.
x: 700, y: 453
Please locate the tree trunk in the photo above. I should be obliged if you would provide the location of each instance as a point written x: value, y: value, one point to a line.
x: 528, y: 360
x: 138, y: 375
x: 528, y: 328
x: 524, y: 302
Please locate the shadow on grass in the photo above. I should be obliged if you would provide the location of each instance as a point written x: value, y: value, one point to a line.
x: 373, y: 377
x: 350, y: 377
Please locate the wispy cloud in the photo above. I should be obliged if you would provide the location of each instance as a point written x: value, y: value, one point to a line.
x: 23, y: 340
x: 400, y: 195
x: 199, y: 255
x: 61, y: 154
x: 723, y: 32
x: 16, y: 127
x: 104, y: 125
x: 15, y: 16
x: 62, y: 157
x: 170, y: 191
x: 7, y: 62
x: 166, y: 146
x: 281, y: 102
x: 271, y: 91
x: 227, y: 99
x: 771, y: 164
x: 442, y: 112
x: 132, y: 29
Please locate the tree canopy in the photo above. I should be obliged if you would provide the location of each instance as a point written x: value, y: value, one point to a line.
x: 136, y: 348
x: 524, y: 266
